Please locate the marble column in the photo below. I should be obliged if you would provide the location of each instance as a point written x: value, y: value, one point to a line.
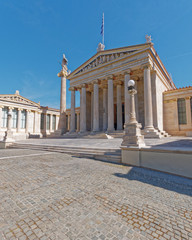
x: 119, y: 107
x: 83, y: 124
x: 27, y: 121
x: 9, y: 122
x: 92, y: 106
x: 104, y: 108
x: 126, y: 96
x: 148, y: 99
x: 0, y: 116
x: 19, y: 120
x: 69, y: 122
x: 110, y: 105
x: 78, y: 122
x: 51, y: 123
x: 63, y: 74
x: 95, y: 106
x: 72, y: 123
x: 188, y: 111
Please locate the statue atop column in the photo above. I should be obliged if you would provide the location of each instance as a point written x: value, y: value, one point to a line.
x: 63, y: 74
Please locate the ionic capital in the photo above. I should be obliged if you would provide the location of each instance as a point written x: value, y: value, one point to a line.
x: 72, y: 89
x: 146, y: 66
x: 110, y: 77
x: 128, y: 71
x: 62, y: 74
x: 118, y: 82
x: 10, y: 108
x: 97, y: 81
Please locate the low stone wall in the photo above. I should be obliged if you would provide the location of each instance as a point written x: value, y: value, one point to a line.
x: 170, y: 161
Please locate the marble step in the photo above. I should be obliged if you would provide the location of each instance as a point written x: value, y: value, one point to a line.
x: 112, y: 155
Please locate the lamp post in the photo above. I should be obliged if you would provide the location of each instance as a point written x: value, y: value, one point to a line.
x: 132, y: 137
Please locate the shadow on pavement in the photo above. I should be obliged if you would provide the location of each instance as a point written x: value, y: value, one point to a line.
x: 158, y: 179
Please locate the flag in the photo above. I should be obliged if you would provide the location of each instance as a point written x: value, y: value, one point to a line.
x: 102, y: 26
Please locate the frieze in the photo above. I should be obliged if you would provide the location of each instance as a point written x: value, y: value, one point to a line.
x: 104, y: 59
x: 18, y: 99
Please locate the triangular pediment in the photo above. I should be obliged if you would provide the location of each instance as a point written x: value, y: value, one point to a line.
x: 108, y: 56
x: 18, y: 99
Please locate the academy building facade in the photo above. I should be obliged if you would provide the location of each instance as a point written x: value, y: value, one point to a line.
x: 104, y: 99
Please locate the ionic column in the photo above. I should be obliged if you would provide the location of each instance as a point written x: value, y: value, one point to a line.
x: 51, y: 122
x: 0, y: 116
x: 83, y: 127
x: 92, y: 107
x: 104, y: 108
x: 9, y: 122
x: 78, y: 121
x: 19, y: 120
x: 72, y: 123
x: 95, y: 106
x: 148, y: 99
x: 69, y: 121
x: 63, y: 74
x: 110, y: 106
x: 126, y: 96
x: 188, y: 111
x: 27, y: 121
x: 119, y: 107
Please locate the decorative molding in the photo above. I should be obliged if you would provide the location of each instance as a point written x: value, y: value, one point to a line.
x: 101, y: 59
x: 17, y: 99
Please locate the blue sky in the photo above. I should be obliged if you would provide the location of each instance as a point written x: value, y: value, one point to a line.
x: 34, y: 35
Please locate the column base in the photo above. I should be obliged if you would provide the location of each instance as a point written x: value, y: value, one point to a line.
x: 151, y: 132
x: 110, y: 130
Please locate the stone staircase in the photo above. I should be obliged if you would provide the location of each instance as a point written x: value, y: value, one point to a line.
x: 156, y: 133
x: 110, y: 155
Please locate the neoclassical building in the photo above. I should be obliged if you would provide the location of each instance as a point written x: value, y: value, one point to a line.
x: 104, y: 99
x: 29, y: 119
x: 177, y: 111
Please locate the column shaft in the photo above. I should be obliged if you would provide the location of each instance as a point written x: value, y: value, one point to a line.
x: 104, y: 109
x: 19, y: 120
x: 9, y: 123
x: 119, y: 108
x: 72, y: 125
x: 78, y: 122
x: 83, y: 110
x: 51, y: 123
x: 0, y: 117
x: 27, y: 122
x: 126, y: 96
x: 148, y: 99
x: 110, y: 106
x: 96, y: 108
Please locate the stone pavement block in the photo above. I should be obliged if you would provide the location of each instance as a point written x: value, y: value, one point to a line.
x: 57, y: 196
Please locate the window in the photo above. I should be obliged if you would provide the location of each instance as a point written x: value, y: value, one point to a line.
x: 42, y: 121
x: 23, y: 119
x: 14, y: 118
x: 53, y: 122
x: 181, y: 111
x: 48, y: 121
x: 4, y: 117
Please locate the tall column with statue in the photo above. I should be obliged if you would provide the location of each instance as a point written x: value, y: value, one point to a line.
x: 63, y: 74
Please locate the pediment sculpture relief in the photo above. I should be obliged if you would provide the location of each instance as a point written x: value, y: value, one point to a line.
x: 16, y: 98
x: 104, y: 59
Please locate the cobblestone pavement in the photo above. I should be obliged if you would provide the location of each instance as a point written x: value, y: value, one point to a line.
x: 57, y: 196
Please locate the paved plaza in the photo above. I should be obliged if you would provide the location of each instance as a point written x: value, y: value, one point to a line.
x: 45, y: 195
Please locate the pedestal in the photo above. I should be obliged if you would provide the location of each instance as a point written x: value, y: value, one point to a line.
x: 133, y: 137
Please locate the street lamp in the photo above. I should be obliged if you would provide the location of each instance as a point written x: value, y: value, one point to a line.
x: 132, y: 91
x: 132, y: 137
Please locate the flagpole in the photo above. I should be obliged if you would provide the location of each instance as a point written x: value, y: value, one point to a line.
x: 103, y: 28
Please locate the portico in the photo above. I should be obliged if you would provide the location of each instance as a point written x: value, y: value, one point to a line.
x: 104, y: 99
